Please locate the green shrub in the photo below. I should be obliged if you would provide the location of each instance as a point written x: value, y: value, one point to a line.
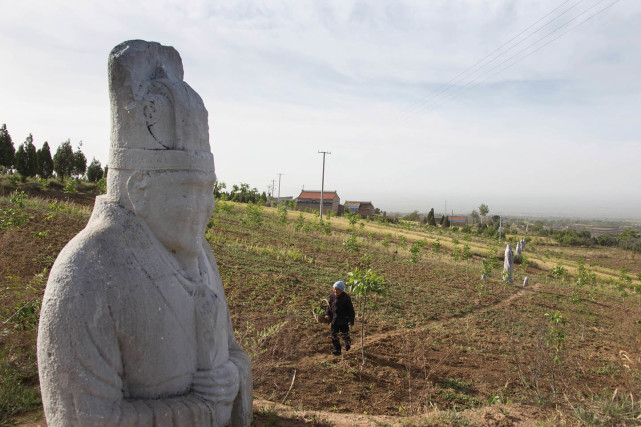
x: 254, y: 214
x: 559, y: 271
x: 351, y: 243
x: 71, y: 187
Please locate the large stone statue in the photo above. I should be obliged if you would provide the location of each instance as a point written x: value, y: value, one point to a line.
x: 134, y: 328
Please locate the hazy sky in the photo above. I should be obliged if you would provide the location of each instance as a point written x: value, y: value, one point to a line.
x: 385, y: 86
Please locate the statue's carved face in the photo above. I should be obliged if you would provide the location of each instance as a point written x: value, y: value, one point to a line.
x: 176, y: 206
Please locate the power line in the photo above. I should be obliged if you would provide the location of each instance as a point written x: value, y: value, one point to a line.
x: 467, y: 87
x: 451, y: 83
x: 445, y: 97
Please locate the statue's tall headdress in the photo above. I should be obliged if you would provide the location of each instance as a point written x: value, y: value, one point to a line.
x: 158, y: 121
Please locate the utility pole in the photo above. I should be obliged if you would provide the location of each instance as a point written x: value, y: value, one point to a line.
x: 278, y: 200
x: 323, y: 183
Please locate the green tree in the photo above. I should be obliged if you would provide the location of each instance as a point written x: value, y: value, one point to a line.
x: 7, y: 151
x: 20, y: 161
x: 219, y: 189
x: 32, y: 156
x: 475, y: 216
x: 45, y: 162
x: 446, y: 221
x: 414, y: 216
x: 362, y: 284
x: 483, y: 210
x: 430, y: 218
x: 63, y: 160
x: 94, y: 171
x: 79, y: 163
x: 26, y: 159
x: 627, y: 238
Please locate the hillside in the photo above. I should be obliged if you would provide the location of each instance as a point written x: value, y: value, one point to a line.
x: 442, y: 347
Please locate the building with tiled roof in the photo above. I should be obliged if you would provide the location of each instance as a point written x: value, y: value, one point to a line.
x: 363, y: 208
x: 310, y: 200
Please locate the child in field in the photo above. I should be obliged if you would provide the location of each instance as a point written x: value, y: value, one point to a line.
x: 341, y: 314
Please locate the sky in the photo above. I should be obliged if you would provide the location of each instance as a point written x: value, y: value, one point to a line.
x: 548, y: 123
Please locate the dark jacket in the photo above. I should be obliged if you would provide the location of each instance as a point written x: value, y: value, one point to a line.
x: 340, y: 309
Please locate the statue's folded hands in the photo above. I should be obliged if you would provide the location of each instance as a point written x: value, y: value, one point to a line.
x: 218, y: 385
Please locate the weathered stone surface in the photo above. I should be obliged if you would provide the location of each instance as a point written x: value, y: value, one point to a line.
x: 134, y: 326
x: 508, y: 265
x: 518, y: 248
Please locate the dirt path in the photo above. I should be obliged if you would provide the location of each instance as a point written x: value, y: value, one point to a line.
x: 382, y: 336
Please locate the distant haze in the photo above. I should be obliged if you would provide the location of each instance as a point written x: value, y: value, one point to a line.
x: 557, y: 133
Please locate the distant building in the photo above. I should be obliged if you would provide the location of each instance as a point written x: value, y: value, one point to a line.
x: 310, y: 200
x: 458, y: 220
x: 281, y: 199
x: 363, y: 208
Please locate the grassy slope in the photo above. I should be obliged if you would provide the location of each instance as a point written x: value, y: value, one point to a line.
x: 440, y: 339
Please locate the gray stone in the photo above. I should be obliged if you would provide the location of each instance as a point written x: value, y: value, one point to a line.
x: 484, y: 277
x: 508, y: 265
x: 525, y: 282
x: 134, y: 326
x: 518, y: 248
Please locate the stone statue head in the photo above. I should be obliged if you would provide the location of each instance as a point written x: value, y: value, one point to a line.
x: 160, y: 162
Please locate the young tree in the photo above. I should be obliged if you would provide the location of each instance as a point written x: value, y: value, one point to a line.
x: 483, y: 210
x: 63, y: 160
x: 79, y: 163
x: 7, y: 151
x: 446, y: 221
x: 45, y: 162
x: 94, y: 171
x: 363, y: 283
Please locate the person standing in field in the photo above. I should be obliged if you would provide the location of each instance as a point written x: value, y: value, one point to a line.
x: 340, y: 313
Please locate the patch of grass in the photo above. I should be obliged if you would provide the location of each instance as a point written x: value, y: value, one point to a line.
x: 605, y: 410
x: 19, y: 392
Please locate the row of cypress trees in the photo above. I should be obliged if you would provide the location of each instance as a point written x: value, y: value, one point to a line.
x: 430, y: 220
x: 31, y: 162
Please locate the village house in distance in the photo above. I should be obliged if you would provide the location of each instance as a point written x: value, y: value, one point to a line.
x: 366, y: 209
x: 310, y: 200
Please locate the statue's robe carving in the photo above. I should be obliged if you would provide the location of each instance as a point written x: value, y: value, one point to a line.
x: 120, y: 352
